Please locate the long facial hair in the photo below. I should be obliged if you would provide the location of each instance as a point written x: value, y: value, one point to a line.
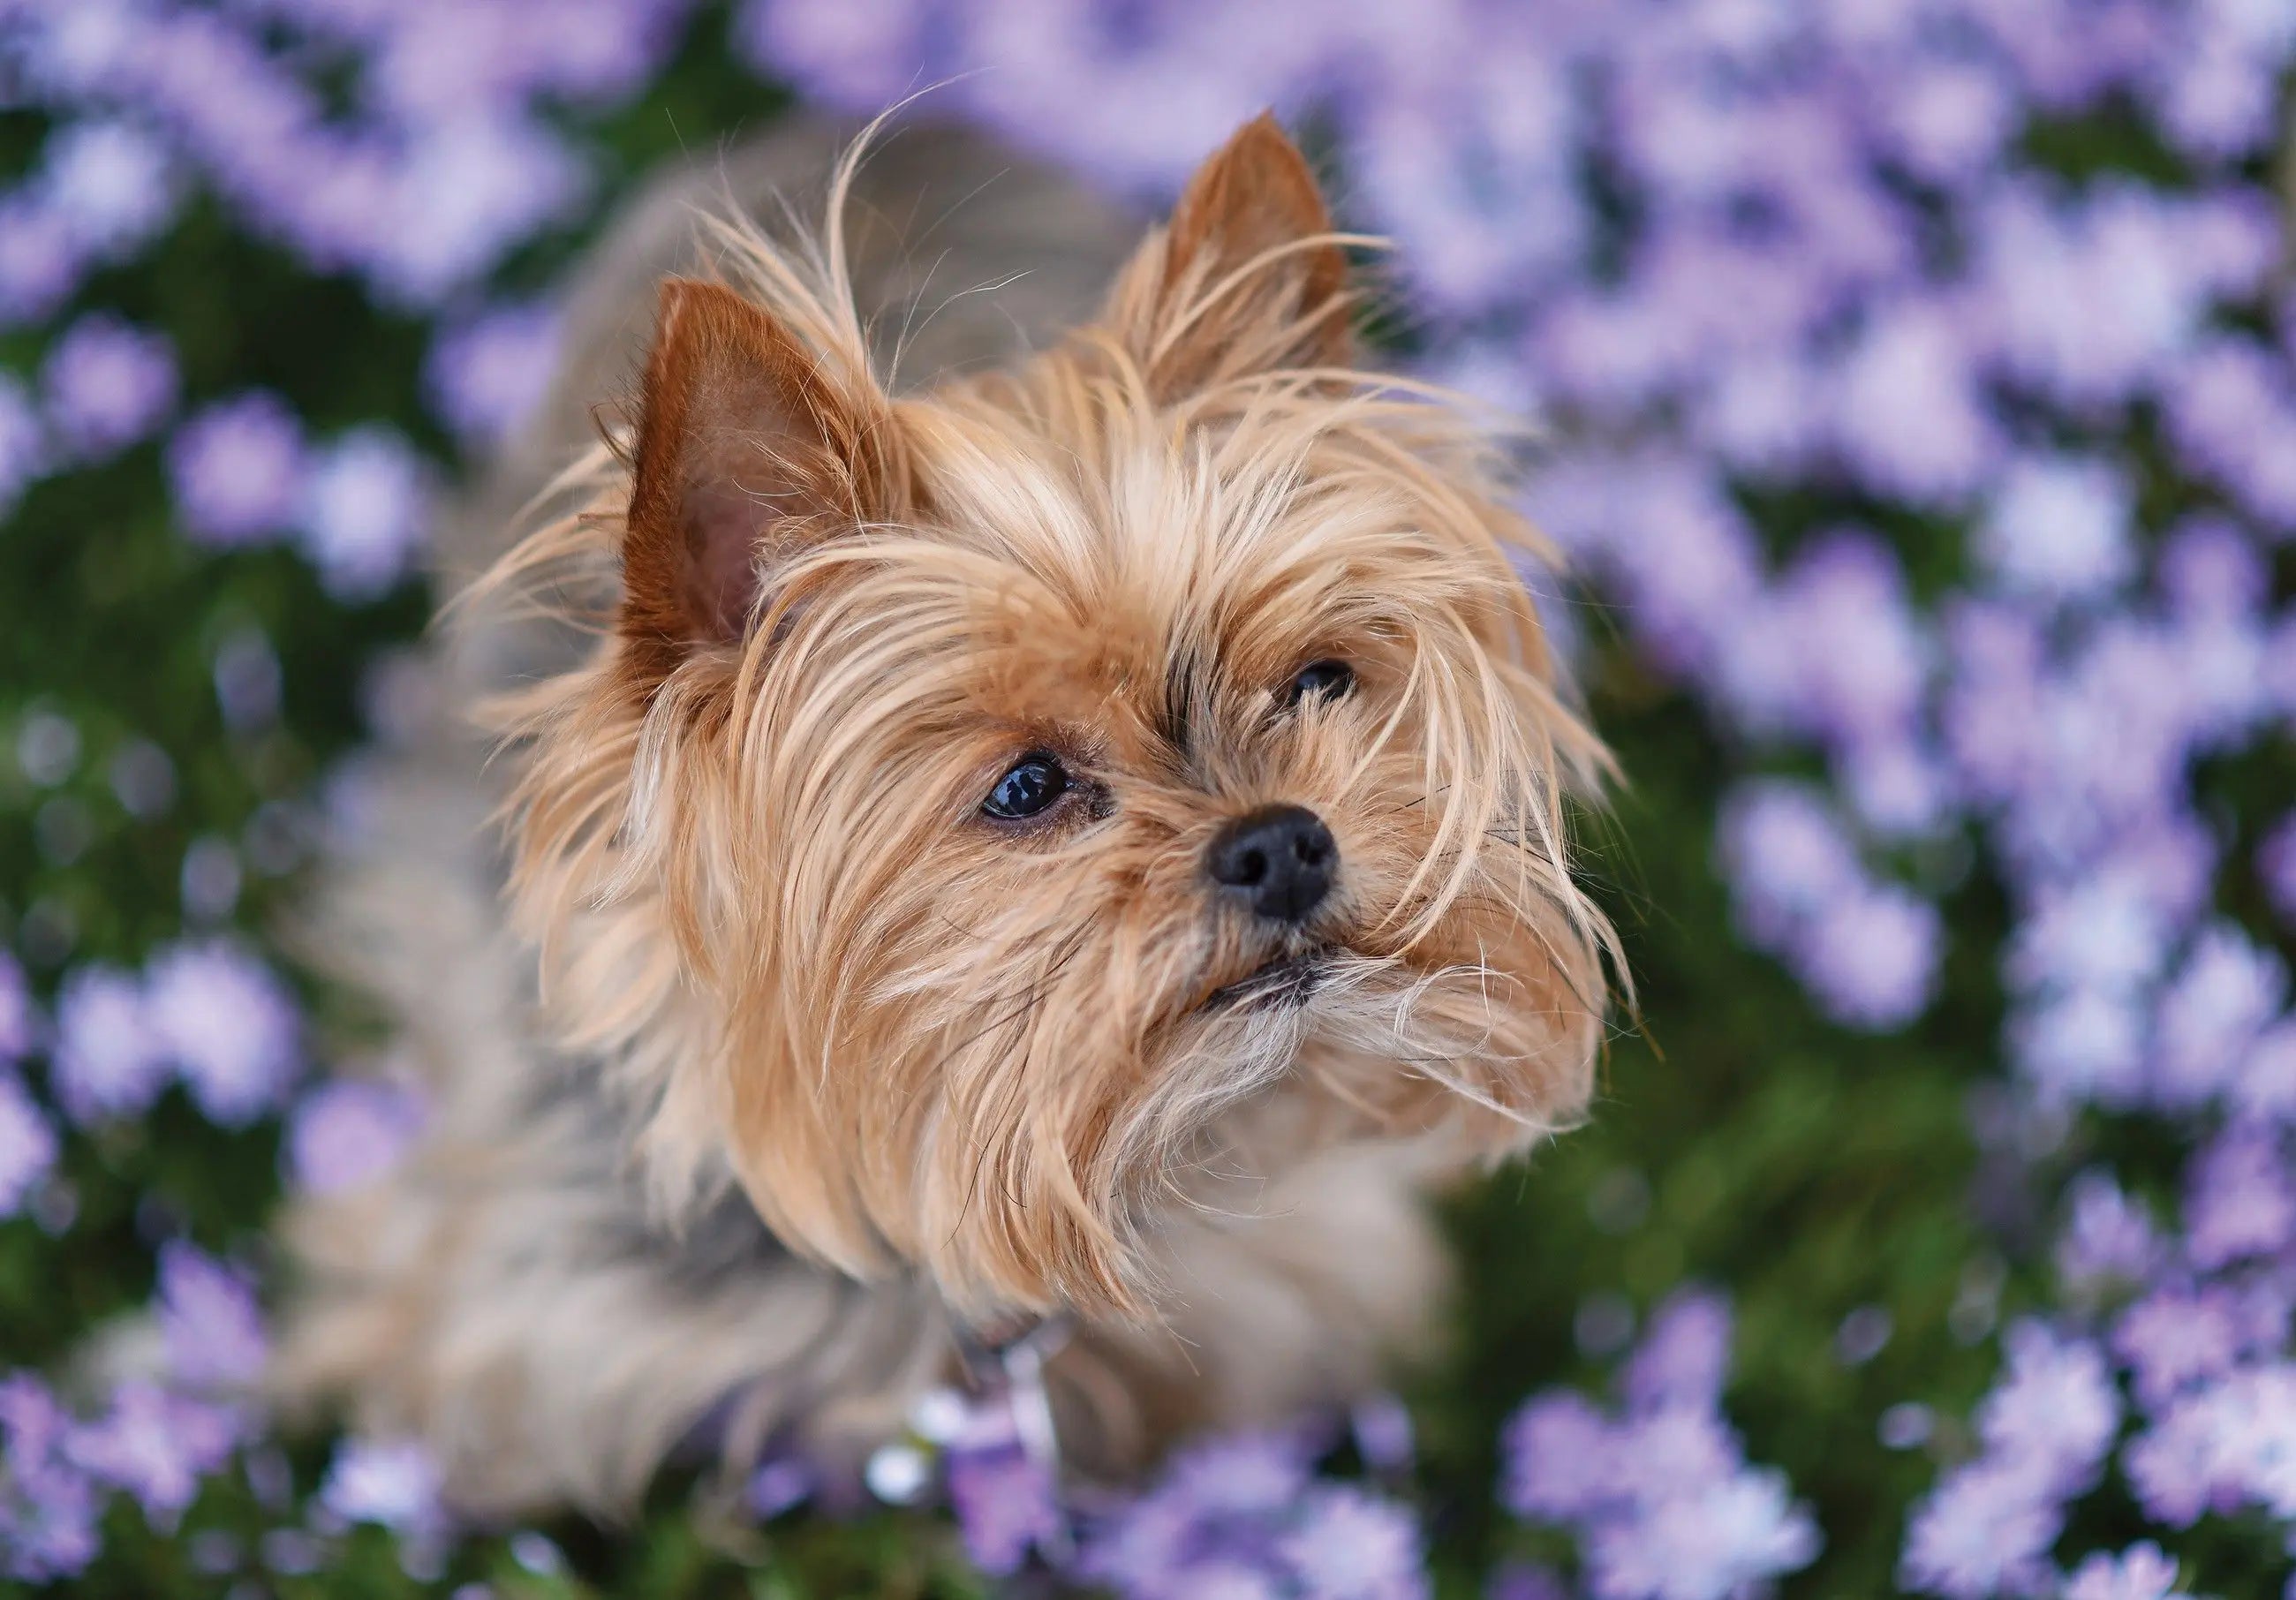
x: 748, y: 830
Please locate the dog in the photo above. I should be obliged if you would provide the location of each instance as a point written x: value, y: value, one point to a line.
x: 1054, y: 804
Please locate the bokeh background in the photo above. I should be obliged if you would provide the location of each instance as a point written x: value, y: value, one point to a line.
x: 1923, y: 426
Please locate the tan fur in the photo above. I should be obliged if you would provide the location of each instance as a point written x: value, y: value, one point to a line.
x: 780, y: 1060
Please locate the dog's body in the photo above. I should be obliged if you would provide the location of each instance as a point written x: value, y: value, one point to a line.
x: 763, y: 1063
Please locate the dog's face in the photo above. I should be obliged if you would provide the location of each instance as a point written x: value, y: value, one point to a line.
x: 1067, y: 794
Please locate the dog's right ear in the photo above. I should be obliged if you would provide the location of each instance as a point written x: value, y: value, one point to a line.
x: 748, y: 445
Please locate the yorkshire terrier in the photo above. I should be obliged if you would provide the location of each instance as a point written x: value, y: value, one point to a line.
x: 1078, y: 830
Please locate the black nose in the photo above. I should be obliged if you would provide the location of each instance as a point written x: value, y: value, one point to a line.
x: 1282, y: 857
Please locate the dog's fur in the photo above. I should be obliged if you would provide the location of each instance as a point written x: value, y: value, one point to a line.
x: 762, y: 1061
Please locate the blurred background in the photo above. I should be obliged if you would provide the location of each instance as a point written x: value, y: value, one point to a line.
x: 1921, y: 426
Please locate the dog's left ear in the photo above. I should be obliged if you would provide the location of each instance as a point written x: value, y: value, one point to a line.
x: 748, y: 445
x: 1246, y: 278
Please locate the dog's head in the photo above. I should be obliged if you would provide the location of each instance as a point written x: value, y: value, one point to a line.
x: 998, y: 815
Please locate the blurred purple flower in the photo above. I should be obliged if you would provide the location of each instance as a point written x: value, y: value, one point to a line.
x: 2108, y: 1237
x: 2059, y: 527
x: 229, y: 1025
x: 1684, y: 1353
x: 109, y: 1061
x: 363, y: 511
x: 236, y: 470
x: 2239, y: 1200
x: 24, y: 443
x: 109, y: 183
x: 40, y: 265
x: 156, y: 1445
x: 1349, y: 1545
x: 1870, y: 958
x: 48, y: 1509
x: 394, y: 1483
x: 1985, y: 1530
x: 210, y: 1322
x: 28, y: 1145
x: 2140, y: 1573
x: 348, y: 1132
x: 106, y: 384
x: 485, y: 375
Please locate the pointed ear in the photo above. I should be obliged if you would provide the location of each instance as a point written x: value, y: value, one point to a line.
x: 746, y: 445
x: 1246, y: 277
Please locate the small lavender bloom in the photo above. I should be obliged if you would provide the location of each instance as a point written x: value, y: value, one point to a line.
x: 48, y: 1509
x: 1005, y: 1500
x: 109, y: 183
x: 236, y: 470
x: 1722, y: 1538
x: 1985, y: 1530
x: 348, y: 1132
x: 17, y: 1020
x: 40, y: 265
x: 2108, y: 1236
x: 105, y: 385
x: 1349, y: 1545
x: 2239, y: 1201
x: 485, y: 376
x: 209, y: 1321
x: 363, y: 512
x: 2059, y: 527
x: 109, y: 1061
x: 1785, y: 856
x: 28, y: 1145
x: 1684, y: 1353
x: 2054, y: 1412
x: 2212, y: 1013
x: 1870, y: 959
x: 24, y: 443
x: 156, y: 1445
x: 395, y: 1484
x: 2175, y: 1338
x: 2140, y: 1573
x: 228, y: 1024
x: 1559, y: 1454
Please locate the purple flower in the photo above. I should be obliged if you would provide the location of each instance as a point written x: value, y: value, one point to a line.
x: 48, y: 1509
x: 2238, y: 1199
x: 1985, y: 1529
x: 1005, y: 1500
x: 487, y: 375
x: 157, y: 1446
x: 109, y: 1060
x: 348, y: 1132
x: 28, y: 1145
x: 1559, y: 1452
x: 1349, y: 1545
x: 1871, y: 958
x: 2140, y: 1573
x: 2055, y: 1412
x: 209, y: 1321
x: 109, y: 185
x: 24, y: 443
x: 1720, y: 1539
x: 106, y: 384
x: 2059, y: 527
x: 363, y: 512
x: 396, y: 1484
x: 229, y: 1025
x: 40, y: 263
x: 1684, y: 1353
x: 236, y: 470
x: 2108, y: 1237
x: 2212, y: 1013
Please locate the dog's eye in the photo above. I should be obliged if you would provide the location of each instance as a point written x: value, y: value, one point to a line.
x: 1320, y: 680
x: 1033, y: 782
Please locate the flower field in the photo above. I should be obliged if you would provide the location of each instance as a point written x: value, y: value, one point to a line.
x: 1918, y: 386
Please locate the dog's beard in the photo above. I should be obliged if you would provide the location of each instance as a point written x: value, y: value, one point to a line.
x: 1068, y: 1095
